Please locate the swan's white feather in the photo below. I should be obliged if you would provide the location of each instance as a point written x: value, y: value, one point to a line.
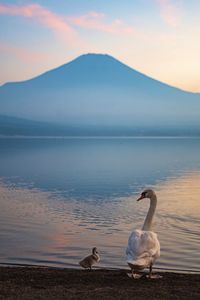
x: 143, y: 249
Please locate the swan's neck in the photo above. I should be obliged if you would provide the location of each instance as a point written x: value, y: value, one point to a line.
x: 149, y: 218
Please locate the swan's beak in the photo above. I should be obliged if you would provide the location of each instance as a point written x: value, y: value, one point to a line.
x: 140, y: 198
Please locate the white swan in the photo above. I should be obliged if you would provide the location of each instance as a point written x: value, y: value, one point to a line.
x: 143, y: 245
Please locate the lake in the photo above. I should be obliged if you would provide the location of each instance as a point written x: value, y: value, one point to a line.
x: 59, y: 197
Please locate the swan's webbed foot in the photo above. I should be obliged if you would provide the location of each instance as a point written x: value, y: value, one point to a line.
x: 154, y: 276
x: 137, y: 276
x: 134, y: 275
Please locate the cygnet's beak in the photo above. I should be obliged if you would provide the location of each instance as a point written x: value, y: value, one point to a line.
x: 140, y: 198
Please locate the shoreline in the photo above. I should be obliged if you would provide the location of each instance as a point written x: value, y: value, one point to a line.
x: 96, y: 267
x: 35, y: 282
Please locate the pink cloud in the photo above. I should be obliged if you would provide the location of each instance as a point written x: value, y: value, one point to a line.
x: 96, y: 21
x: 169, y: 12
x: 64, y: 26
x: 23, y: 54
x: 45, y: 17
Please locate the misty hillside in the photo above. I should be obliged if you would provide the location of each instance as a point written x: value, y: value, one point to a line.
x: 97, y: 93
x: 12, y: 126
x: 17, y: 126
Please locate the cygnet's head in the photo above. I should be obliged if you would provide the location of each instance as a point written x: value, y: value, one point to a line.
x: 94, y: 250
x: 148, y: 193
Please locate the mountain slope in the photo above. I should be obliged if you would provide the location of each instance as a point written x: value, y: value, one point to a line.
x: 98, y: 91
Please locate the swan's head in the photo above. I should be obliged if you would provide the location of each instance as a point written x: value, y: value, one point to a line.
x: 148, y: 193
x: 94, y: 250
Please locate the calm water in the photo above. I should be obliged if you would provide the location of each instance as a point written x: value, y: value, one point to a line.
x: 60, y: 197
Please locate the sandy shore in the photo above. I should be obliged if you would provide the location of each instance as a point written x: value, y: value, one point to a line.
x: 45, y: 283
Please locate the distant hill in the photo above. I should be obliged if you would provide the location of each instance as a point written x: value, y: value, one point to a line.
x: 12, y: 126
x: 22, y: 127
x: 97, y: 94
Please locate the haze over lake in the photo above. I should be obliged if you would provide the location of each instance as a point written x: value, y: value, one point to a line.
x: 61, y: 197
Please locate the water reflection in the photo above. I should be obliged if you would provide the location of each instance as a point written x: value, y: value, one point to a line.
x: 43, y: 228
x: 178, y: 220
x: 97, y: 169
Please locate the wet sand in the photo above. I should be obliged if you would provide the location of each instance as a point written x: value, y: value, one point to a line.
x: 46, y: 283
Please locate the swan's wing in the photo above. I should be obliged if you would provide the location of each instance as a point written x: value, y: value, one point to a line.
x: 89, y: 261
x: 143, y: 248
x: 86, y: 262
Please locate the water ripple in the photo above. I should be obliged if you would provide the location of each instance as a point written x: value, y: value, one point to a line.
x: 40, y: 227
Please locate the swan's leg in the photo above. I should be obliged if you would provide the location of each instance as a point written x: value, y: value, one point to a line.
x: 153, y: 276
x: 135, y: 275
x: 150, y: 271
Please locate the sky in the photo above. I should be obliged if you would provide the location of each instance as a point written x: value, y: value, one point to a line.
x: 160, y: 38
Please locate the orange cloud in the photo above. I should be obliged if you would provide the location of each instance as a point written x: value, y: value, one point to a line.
x: 96, y: 21
x: 169, y: 12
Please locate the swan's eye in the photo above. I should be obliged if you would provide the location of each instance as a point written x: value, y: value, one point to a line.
x: 144, y: 194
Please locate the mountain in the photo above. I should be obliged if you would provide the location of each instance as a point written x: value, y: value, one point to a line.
x: 97, y: 94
